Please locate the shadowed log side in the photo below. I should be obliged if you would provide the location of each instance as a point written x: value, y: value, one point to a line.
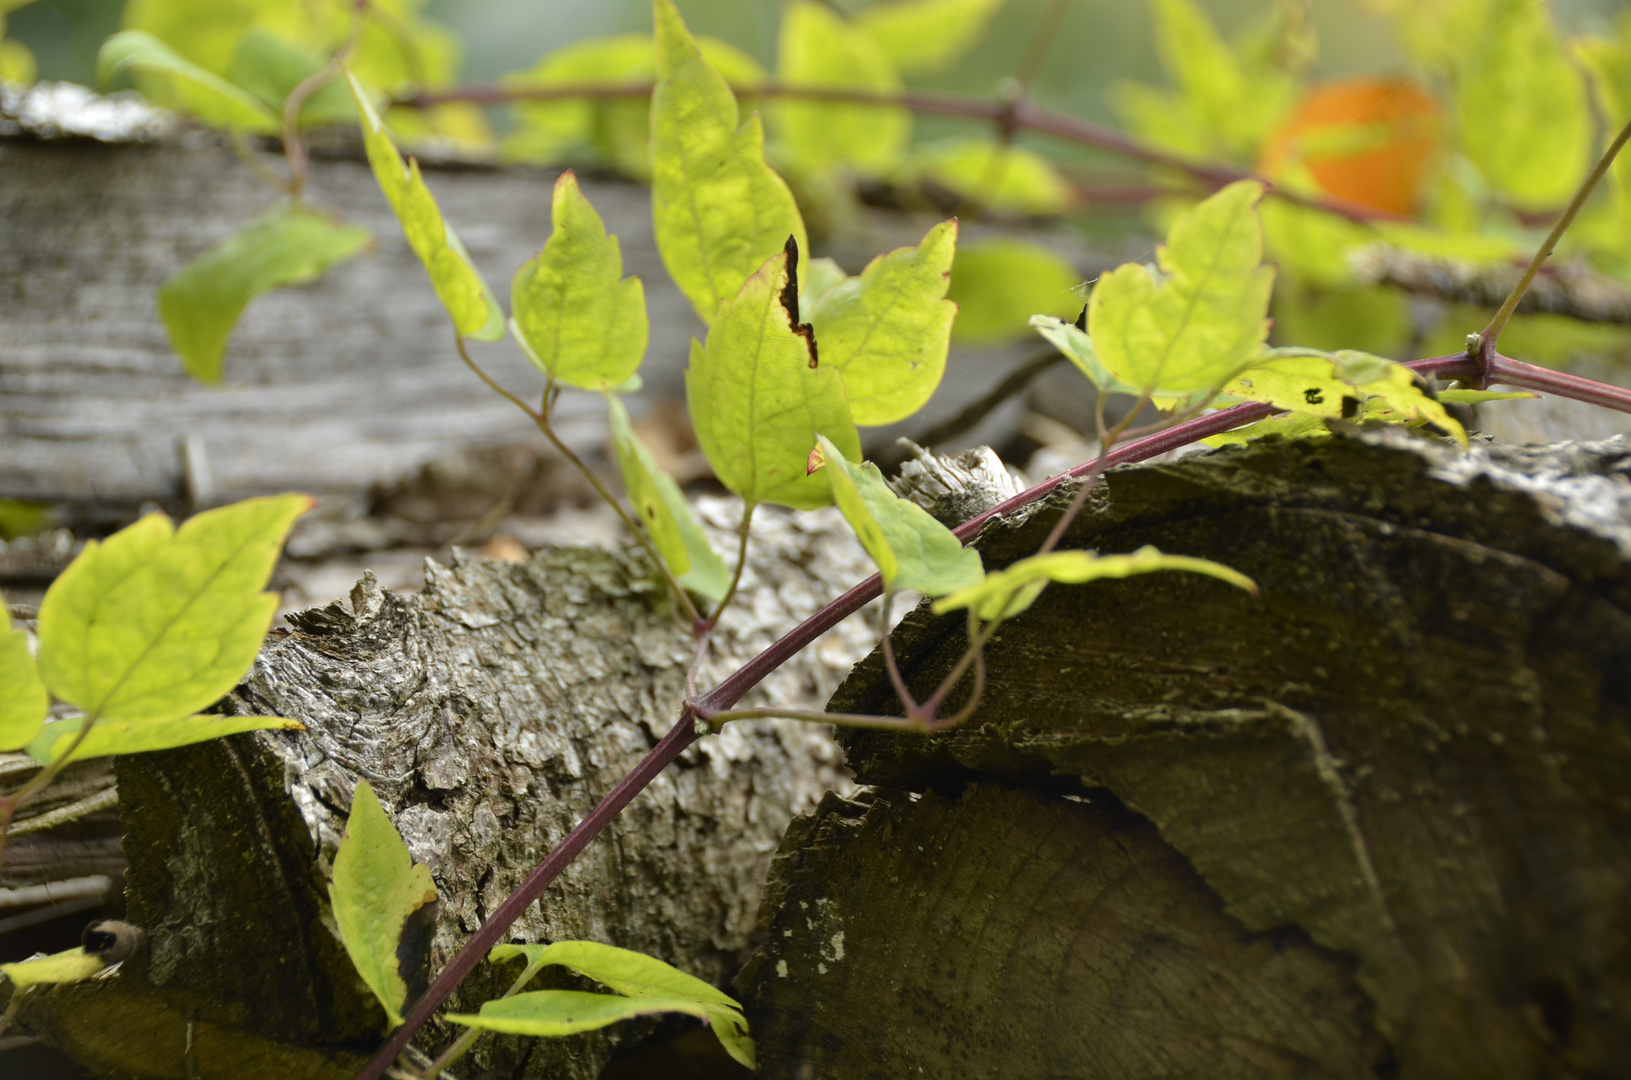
x: 1053, y: 932
x: 1414, y: 750
x: 490, y: 714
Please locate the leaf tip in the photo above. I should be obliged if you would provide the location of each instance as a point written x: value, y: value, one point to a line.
x: 815, y: 461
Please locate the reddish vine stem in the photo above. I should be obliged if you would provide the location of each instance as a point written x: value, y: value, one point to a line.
x: 722, y: 697
x: 1012, y: 114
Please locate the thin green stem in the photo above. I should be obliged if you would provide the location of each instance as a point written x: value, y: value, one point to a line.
x: 464, y: 353
x: 293, y: 150
x: 462, y: 1045
x: 741, y: 563
x: 12, y: 803
x: 1483, y: 346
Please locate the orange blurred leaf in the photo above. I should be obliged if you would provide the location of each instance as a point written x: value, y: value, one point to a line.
x: 1369, y: 141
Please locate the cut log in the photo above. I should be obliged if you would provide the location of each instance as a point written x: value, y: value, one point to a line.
x: 490, y: 714
x: 1377, y: 824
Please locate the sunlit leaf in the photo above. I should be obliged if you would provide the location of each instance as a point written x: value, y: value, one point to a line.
x: 566, y: 1012
x: 926, y: 35
x: 759, y: 396
x: 1609, y: 61
x: 1479, y: 397
x: 1435, y: 31
x: 269, y: 66
x: 1285, y: 425
x: 641, y: 977
x: 23, y: 700
x: 1007, y: 592
x: 911, y: 548
x: 1071, y: 340
x: 157, y: 622
x: 109, y: 737
x: 71, y: 966
x: 1343, y: 384
x: 17, y: 63
x: 719, y: 210
x: 618, y: 130
x: 999, y: 284
x: 1199, y: 319
x: 1521, y: 108
x: 819, y: 276
x: 817, y: 48
x: 664, y: 513
x: 1365, y: 140
x: 888, y: 330
x: 288, y: 245
x: 207, y: 96
x: 377, y: 887
x: 574, y: 317
x: 470, y: 303
x: 1008, y: 179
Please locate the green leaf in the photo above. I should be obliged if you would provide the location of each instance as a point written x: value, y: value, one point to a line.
x: 759, y: 396
x: 819, y: 276
x: 999, y: 284
x: 461, y: 288
x: 926, y: 35
x: 616, y: 131
x: 719, y: 210
x: 23, y: 517
x: 817, y: 48
x: 269, y: 66
x: 664, y: 513
x: 1346, y: 384
x: 1199, y: 319
x: 573, y: 316
x: 1522, y: 108
x: 288, y: 245
x: 71, y: 966
x: 1078, y: 347
x: 911, y: 548
x: 1285, y: 425
x: 641, y: 977
x: 566, y: 1012
x: 1479, y: 397
x: 377, y: 887
x: 207, y: 96
x: 1609, y: 62
x: 1008, y: 179
x: 1007, y: 592
x: 156, y: 622
x: 24, y: 702
x: 889, y: 329
x: 110, y: 737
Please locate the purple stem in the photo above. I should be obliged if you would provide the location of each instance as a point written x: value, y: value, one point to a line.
x: 731, y: 690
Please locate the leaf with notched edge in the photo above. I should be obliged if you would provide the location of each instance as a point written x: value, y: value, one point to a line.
x: 1345, y: 384
x: 719, y: 210
x: 377, y: 890
x: 759, y: 396
x: 888, y: 330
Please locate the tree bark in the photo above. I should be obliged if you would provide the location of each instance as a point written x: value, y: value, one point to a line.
x: 1373, y: 825
x: 490, y: 714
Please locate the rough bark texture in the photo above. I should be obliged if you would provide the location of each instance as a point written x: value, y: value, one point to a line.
x: 490, y: 714
x: 1375, y: 825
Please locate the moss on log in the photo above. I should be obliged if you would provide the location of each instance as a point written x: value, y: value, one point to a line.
x: 1377, y: 824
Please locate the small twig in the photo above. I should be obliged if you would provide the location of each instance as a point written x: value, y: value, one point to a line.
x: 102, y: 800
x: 293, y: 150
x: 887, y: 644
x: 1481, y: 347
x: 742, y: 532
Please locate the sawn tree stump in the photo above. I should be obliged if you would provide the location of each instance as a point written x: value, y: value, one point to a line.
x: 1375, y: 825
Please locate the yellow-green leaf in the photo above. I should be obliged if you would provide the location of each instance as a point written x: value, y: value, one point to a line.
x: 1201, y: 318
x: 156, y: 622
x: 461, y: 288
x: 573, y: 316
x: 110, y: 737
x: 1609, y: 61
x: 1007, y: 592
x: 819, y: 49
x: 926, y: 35
x: 207, y: 96
x: 1008, y: 179
x: 664, y: 513
x: 999, y: 284
x: 23, y: 517
x: 1522, y: 108
x: 23, y: 700
x: 567, y: 1012
x: 1345, y: 384
x: 888, y: 330
x: 71, y: 966
x: 1285, y: 425
x: 1071, y: 340
x: 17, y: 63
x: 759, y: 396
x: 641, y: 977
x: 269, y: 66
x: 288, y: 245
x: 377, y: 887
x: 719, y: 210
x: 911, y: 548
x: 819, y: 276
